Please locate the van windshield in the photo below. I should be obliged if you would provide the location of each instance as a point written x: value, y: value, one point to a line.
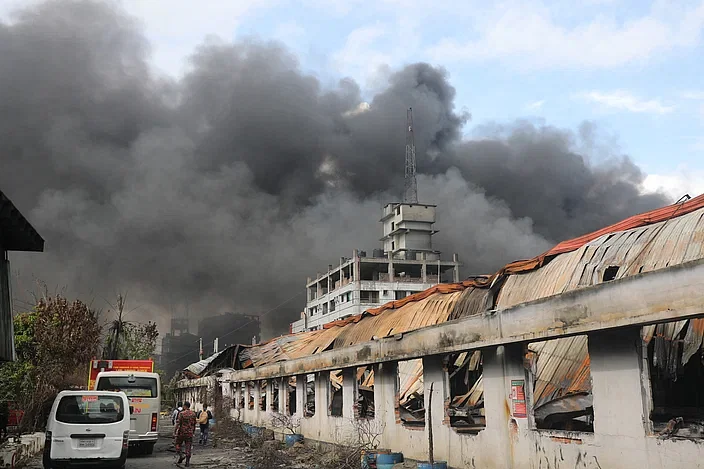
x: 133, y: 387
x: 90, y: 409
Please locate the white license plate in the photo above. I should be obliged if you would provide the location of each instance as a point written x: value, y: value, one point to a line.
x: 87, y: 443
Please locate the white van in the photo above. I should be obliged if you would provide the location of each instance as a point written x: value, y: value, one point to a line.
x: 143, y: 390
x: 89, y: 429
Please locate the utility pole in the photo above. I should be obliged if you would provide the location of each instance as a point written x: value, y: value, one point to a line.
x: 410, y: 186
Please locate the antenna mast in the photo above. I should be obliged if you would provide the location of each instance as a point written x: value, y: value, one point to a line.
x: 410, y: 187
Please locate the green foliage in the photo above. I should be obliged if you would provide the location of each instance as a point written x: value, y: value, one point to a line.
x: 52, y: 343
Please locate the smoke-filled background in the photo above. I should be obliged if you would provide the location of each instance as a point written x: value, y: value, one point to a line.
x: 224, y: 190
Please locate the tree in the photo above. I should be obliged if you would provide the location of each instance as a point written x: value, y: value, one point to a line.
x: 129, y: 340
x: 53, y: 344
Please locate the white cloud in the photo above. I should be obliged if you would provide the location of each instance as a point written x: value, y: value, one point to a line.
x: 175, y: 27
x: 625, y: 101
x: 531, y: 36
x: 359, y: 57
x: 535, y: 105
x: 676, y: 184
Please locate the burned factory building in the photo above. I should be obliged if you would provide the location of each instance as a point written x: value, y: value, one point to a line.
x: 589, y: 352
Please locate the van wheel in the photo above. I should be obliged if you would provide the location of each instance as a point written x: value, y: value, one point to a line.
x: 148, y: 448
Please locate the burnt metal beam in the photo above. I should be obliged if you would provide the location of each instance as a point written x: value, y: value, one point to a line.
x: 668, y: 294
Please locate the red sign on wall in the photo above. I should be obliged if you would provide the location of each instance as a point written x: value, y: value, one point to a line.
x: 518, y: 399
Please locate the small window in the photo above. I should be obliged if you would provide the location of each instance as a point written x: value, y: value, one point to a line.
x: 610, y: 273
x: 393, y: 226
x: 398, y: 210
x: 369, y: 296
x: 393, y: 245
x: 250, y: 392
x: 400, y: 295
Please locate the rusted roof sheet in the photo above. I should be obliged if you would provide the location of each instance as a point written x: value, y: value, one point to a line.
x: 633, y: 251
x: 435, y: 309
x: 562, y: 368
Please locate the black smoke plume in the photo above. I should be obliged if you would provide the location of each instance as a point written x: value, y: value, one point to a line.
x: 225, y: 189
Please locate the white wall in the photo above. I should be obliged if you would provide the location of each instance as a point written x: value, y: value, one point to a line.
x: 619, y: 440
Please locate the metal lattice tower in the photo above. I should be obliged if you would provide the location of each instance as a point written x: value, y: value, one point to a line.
x: 410, y: 187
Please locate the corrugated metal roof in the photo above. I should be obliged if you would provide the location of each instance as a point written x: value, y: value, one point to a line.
x: 633, y: 251
x: 435, y: 309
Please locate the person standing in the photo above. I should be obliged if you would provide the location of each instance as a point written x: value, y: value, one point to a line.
x: 204, y: 417
x: 185, y: 428
x: 174, y: 414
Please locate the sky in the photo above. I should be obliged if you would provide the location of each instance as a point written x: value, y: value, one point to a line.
x: 632, y: 67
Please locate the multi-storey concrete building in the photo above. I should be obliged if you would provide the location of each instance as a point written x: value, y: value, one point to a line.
x: 406, y: 264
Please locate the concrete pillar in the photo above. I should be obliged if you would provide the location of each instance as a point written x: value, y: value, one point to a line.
x: 391, y: 268
x: 283, y: 395
x: 301, y: 395
x: 257, y: 399
x: 434, y: 375
x: 617, y: 391
x: 349, y: 385
x: 386, y: 395
x: 237, y: 395
x: 456, y: 269
x: 269, y: 396
x: 322, y: 383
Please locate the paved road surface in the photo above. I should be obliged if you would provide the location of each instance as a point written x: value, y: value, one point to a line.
x: 163, y: 458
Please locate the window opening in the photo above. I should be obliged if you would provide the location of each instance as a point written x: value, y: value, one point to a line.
x: 275, y: 395
x: 310, y: 395
x: 262, y: 394
x: 610, y: 273
x: 250, y: 391
x: 369, y: 296
x: 676, y: 368
x: 466, y: 408
x: 291, y: 403
x: 562, y: 384
x: 364, y: 399
x: 410, y: 392
x: 335, y: 394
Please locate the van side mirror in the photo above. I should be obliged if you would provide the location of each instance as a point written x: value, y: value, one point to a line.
x: 131, y: 409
